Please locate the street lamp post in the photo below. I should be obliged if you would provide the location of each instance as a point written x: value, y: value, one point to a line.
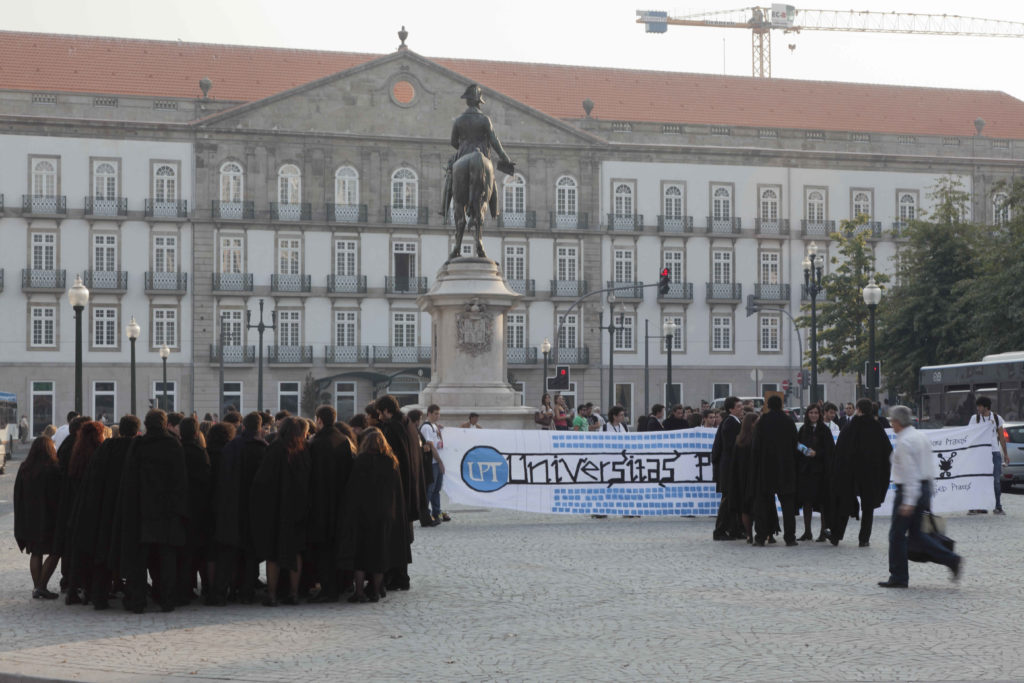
x: 813, y: 264
x: 545, y: 349
x: 872, y: 296
x: 165, y: 351
x: 260, y: 327
x: 668, y: 331
x: 78, y: 295
x: 611, y: 349
x: 133, y: 331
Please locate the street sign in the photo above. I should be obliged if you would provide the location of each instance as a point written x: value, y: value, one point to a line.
x: 785, y: 385
x: 800, y: 377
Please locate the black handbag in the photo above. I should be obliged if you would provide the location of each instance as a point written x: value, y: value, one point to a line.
x: 935, y: 527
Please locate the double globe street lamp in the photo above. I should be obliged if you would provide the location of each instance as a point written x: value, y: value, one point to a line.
x: 164, y: 353
x: 133, y: 331
x: 813, y: 264
x: 872, y: 294
x: 545, y: 349
x: 668, y: 331
x: 78, y: 295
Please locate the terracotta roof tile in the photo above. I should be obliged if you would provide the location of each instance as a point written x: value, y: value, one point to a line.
x: 38, y: 61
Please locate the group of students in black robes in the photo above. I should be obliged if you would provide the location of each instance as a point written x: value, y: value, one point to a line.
x: 758, y: 457
x: 192, y: 509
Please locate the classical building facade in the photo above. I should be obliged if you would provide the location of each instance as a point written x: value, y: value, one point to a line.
x: 311, y: 184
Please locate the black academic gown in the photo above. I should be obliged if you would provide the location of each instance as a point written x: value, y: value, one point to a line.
x: 812, y: 483
x: 36, y: 497
x: 68, y: 490
x: 197, y: 467
x: 279, y: 505
x: 396, y: 432
x: 721, y: 452
x: 672, y: 423
x: 239, y: 462
x: 773, y: 459
x: 330, y: 464
x: 92, y: 523
x: 375, y: 532
x: 861, y: 468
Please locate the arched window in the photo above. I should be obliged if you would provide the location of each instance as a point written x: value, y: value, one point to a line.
x: 769, y: 205
x: 815, y: 206
x: 907, y: 207
x: 623, y: 200
x: 862, y: 204
x: 1000, y: 209
x: 232, y: 182
x: 673, y: 201
x: 514, y: 201
x: 104, y: 181
x: 289, y: 184
x: 44, y: 179
x: 721, y: 203
x: 165, y: 183
x: 404, y: 196
x: 346, y: 186
x: 565, y: 196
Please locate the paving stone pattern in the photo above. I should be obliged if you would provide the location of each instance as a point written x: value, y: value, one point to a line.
x: 508, y: 596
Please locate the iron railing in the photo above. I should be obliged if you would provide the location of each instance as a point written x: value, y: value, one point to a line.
x: 817, y: 228
x: 678, y: 291
x: 234, y: 211
x: 626, y: 290
x: 579, y: 355
x: 872, y: 229
x: 402, y: 284
x: 290, y: 354
x: 157, y: 281
x: 232, y: 282
x: 232, y: 354
x: 568, y: 288
x: 346, y: 284
x: 521, y: 356
x: 771, y: 226
x: 724, y: 226
x: 725, y: 291
x: 524, y: 287
x: 106, y: 280
x: 520, y: 219
x: 346, y: 354
x: 47, y: 206
x: 771, y: 292
x: 678, y: 224
x: 175, y: 208
x: 401, y: 354
x: 628, y: 223
x: 568, y: 220
x: 94, y: 206
x: 417, y: 215
x: 32, y: 278
x: 345, y: 213
x: 290, y: 283
x: 300, y: 211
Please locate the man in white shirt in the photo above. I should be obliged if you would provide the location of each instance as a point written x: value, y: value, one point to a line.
x: 64, y: 430
x: 431, y: 432
x: 914, y: 468
x: 999, y: 454
x: 615, y: 423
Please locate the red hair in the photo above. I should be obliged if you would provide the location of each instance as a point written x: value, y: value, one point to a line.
x: 88, y: 439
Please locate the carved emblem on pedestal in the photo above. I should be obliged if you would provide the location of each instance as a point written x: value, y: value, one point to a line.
x: 475, y: 328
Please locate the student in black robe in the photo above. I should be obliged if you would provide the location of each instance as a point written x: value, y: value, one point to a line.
x: 741, y: 490
x: 279, y: 508
x: 675, y: 419
x: 727, y: 525
x: 237, y: 562
x: 79, y: 550
x: 153, y: 511
x: 392, y: 425
x: 192, y: 559
x: 811, y: 482
x: 861, y: 469
x: 774, y: 451
x: 63, y: 509
x: 36, y: 495
x: 375, y: 532
x: 217, y: 438
x: 330, y: 462
x: 93, y: 523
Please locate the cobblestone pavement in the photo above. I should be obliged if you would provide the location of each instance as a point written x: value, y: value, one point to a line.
x: 499, y: 595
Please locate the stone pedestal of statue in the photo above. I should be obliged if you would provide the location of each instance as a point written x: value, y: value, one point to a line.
x: 467, y: 306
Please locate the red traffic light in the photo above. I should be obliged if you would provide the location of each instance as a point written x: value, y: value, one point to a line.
x: 664, y: 272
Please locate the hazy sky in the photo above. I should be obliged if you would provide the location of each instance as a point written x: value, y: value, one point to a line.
x: 593, y: 32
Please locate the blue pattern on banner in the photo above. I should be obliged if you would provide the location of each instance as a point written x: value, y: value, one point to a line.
x: 686, y: 441
x: 683, y: 499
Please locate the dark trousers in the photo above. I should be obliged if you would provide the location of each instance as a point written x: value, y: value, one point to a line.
x: 327, y: 571
x: 788, y: 503
x: 164, y: 561
x: 191, y: 561
x: 867, y: 519
x: 902, y: 525
x: 100, y: 584
x: 236, y: 568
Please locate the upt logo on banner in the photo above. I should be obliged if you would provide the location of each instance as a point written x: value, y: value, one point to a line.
x: 484, y: 469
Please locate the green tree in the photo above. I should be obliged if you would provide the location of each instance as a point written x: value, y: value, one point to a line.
x: 919, y: 325
x: 842, y: 315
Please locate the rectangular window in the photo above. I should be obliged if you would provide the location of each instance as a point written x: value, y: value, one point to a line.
x: 44, y: 251
x: 679, y: 336
x: 231, y: 254
x: 104, y: 327
x: 288, y: 397
x: 567, y: 263
x: 345, y: 328
x: 625, y: 325
x: 231, y: 324
x: 770, y: 326
x: 403, y: 329
x: 770, y: 267
x: 721, y: 333
x: 721, y: 266
x: 232, y: 393
x: 514, y: 266
x: 404, y: 254
x: 165, y: 253
x: 622, y: 263
x: 43, y: 326
x: 624, y: 398
x: 165, y: 327
x: 673, y: 260
x: 568, y: 337
x: 345, y: 258
x: 165, y: 401
x: 104, y: 252
x: 721, y: 390
x: 104, y: 396
x: 289, y: 328
x: 515, y: 330
x: 345, y: 399
x: 289, y: 256
x: 41, y: 406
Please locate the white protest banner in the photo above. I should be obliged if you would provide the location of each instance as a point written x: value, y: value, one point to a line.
x: 648, y: 473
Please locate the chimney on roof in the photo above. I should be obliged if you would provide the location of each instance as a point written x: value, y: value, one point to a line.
x: 205, y: 84
x: 588, y: 106
x: 979, y: 123
x: 402, y: 35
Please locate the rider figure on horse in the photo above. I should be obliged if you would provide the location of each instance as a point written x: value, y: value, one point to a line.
x: 472, y: 132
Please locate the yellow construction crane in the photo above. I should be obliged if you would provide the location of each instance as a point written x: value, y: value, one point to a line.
x: 761, y: 21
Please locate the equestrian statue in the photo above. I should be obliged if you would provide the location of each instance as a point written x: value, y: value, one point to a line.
x: 469, y: 179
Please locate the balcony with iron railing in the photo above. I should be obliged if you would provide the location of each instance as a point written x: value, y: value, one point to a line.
x: 771, y: 227
x: 678, y: 291
x: 234, y: 211
x: 574, y: 355
x: 568, y: 221
x: 771, y: 293
x: 232, y: 353
x: 817, y: 228
x: 345, y: 213
x: 291, y: 355
x: 44, y: 206
x: 402, y: 284
x: 110, y: 281
x: 627, y: 223
x: 520, y: 219
x: 342, y: 355
x: 680, y: 225
x: 175, y: 208
x: 899, y: 229
x: 724, y: 226
x: 725, y: 292
x: 232, y: 282
x: 346, y: 284
x: 417, y: 215
x: 524, y: 287
x: 521, y: 356
x: 160, y: 282
x: 36, y: 280
x: 401, y: 354
x: 102, y: 208
x: 628, y: 291
x: 293, y: 213
x: 571, y: 289
x: 873, y: 229
x: 299, y: 284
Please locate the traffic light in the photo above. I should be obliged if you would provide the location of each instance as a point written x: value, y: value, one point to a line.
x: 751, y: 306
x: 663, y: 282
x: 873, y: 374
x: 560, y: 382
